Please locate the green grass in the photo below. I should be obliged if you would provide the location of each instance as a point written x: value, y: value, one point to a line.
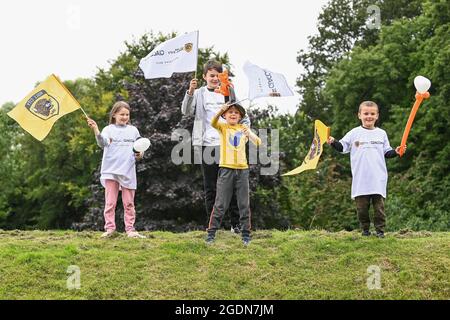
x: 276, y: 265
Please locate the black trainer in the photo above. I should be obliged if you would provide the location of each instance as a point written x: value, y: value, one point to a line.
x: 366, y: 233
x: 380, y: 234
x: 246, y: 241
x: 236, y: 230
x: 210, y: 239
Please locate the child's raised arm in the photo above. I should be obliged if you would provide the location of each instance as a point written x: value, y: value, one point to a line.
x: 192, y: 86
x: 91, y: 123
x: 215, y: 119
x: 101, y: 141
x: 189, y: 101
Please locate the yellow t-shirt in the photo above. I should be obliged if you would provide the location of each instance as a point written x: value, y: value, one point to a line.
x: 232, y: 145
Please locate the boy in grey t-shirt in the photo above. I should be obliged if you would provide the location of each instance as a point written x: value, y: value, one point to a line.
x: 368, y: 147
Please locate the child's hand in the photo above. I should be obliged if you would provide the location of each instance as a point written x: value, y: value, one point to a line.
x: 139, y: 155
x: 91, y: 123
x: 224, y: 107
x: 330, y: 140
x: 397, y: 150
x: 192, y: 86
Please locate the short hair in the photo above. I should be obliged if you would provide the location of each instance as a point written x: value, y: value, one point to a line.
x: 212, y: 65
x: 116, y: 108
x: 368, y: 104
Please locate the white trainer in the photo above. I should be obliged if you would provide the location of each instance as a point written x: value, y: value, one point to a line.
x: 107, y: 234
x: 135, y: 234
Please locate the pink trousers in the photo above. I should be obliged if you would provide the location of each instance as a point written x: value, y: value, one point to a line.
x: 111, y: 194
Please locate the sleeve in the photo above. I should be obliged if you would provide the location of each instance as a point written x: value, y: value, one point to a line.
x: 103, y: 139
x: 337, y: 146
x: 256, y: 140
x: 217, y: 125
x: 188, y: 104
x: 215, y: 120
x: 137, y: 135
x: 386, y: 146
x: 346, y: 142
x: 390, y: 154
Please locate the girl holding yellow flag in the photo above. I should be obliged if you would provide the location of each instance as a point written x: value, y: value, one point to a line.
x: 118, y: 171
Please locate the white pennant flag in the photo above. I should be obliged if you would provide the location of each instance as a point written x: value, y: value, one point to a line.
x: 265, y: 83
x: 178, y: 54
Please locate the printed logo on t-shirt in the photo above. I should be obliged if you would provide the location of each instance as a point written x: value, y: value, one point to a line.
x: 361, y: 143
x: 121, y: 142
x: 235, y: 139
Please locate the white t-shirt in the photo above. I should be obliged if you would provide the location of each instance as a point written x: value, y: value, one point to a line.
x: 367, y: 148
x: 118, y: 161
x: 212, y: 103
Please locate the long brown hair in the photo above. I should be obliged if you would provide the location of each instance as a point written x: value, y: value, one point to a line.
x: 116, y: 108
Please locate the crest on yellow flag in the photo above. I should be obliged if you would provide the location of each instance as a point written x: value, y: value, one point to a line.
x: 43, y: 105
x: 321, y: 134
x: 41, y: 108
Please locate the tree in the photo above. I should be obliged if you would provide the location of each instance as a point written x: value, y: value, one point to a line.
x: 342, y: 25
x: 10, y: 162
x: 169, y: 196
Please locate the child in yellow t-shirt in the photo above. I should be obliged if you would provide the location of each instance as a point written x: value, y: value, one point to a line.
x: 233, y: 169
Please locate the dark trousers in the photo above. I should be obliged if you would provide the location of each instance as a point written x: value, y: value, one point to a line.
x: 210, y: 174
x: 232, y: 182
x: 362, y: 208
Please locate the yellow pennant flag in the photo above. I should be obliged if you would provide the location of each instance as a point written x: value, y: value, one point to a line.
x: 42, y: 107
x: 321, y: 134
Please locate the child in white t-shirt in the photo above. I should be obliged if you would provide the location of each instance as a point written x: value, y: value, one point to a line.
x: 368, y: 147
x: 118, y: 171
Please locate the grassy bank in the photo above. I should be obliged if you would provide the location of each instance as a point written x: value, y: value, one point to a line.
x: 276, y: 265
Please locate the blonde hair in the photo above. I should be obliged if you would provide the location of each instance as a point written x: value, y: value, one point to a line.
x: 368, y: 104
x: 119, y: 105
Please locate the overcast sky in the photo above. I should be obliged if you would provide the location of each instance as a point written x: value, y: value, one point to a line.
x: 73, y: 38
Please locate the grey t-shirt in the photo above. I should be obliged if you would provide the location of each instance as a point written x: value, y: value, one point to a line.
x: 118, y: 161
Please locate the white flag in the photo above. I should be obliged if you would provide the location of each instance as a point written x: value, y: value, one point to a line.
x: 265, y: 83
x: 178, y: 54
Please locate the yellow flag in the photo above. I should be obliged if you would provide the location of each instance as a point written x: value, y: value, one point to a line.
x: 321, y: 134
x: 40, y: 109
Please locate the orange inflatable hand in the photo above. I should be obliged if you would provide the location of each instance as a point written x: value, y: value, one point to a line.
x: 419, y: 98
x: 225, y: 84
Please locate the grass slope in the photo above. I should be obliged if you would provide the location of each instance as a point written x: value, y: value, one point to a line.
x: 276, y: 265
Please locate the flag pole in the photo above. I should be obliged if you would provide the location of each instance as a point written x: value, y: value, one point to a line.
x: 196, y: 65
x: 84, y: 113
x: 236, y: 102
x: 68, y: 91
